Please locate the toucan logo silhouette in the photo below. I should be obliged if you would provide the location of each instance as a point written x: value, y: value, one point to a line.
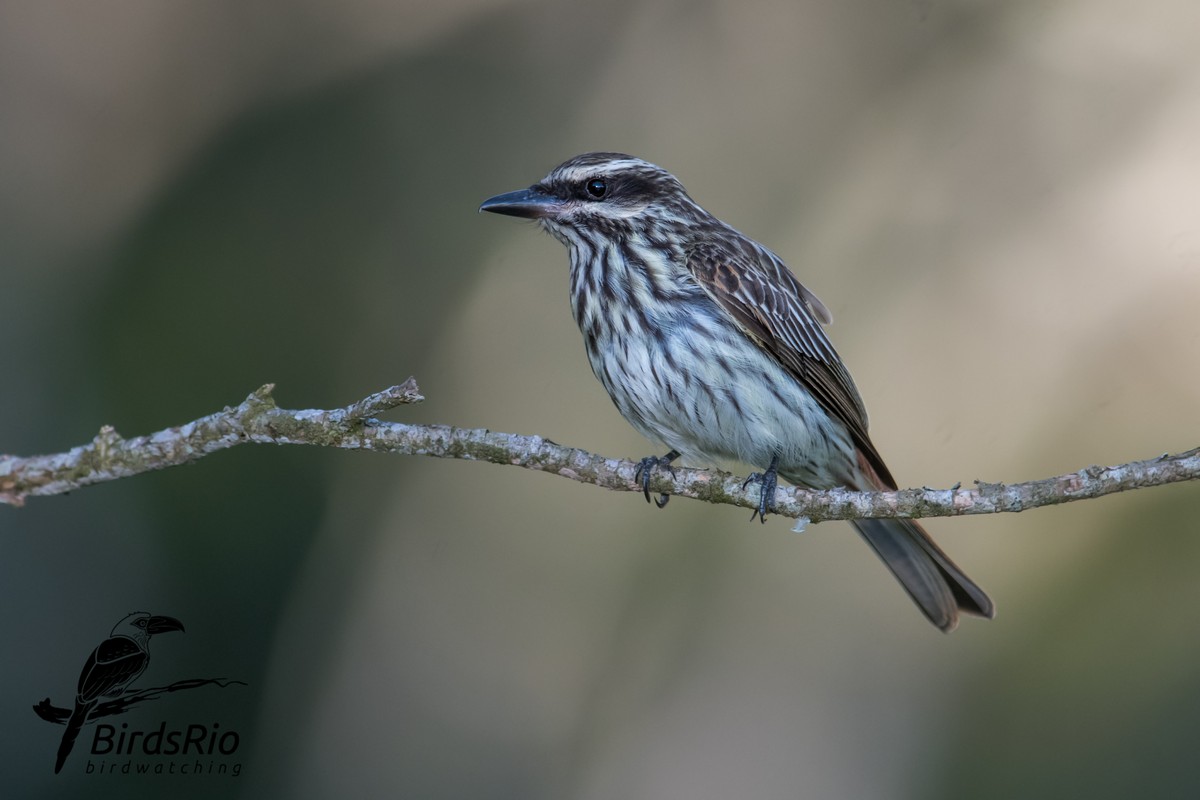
x: 110, y: 672
x: 116, y: 663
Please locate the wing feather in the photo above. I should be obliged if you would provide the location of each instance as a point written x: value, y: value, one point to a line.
x: 770, y: 306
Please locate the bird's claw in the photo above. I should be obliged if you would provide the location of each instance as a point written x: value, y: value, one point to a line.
x: 768, y: 481
x: 645, y: 471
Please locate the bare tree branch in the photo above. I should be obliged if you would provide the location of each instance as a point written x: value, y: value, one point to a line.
x: 259, y: 420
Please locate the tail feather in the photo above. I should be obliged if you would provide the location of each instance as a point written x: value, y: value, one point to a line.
x: 938, y: 586
x: 74, y: 726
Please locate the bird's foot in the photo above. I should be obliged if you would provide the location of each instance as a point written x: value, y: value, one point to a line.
x: 767, y: 481
x: 646, y: 469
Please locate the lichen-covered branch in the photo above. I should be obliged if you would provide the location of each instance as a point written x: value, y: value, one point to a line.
x: 258, y: 419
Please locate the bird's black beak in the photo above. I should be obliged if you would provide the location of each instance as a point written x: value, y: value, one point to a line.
x: 163, y: 625
x: 531, y: 203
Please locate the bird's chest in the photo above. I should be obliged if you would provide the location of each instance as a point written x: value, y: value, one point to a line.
x: 657, y: 350
x: 682, y: 373
x: 628, y: 304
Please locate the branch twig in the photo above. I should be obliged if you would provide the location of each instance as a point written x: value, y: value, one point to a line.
x: 258, y: 419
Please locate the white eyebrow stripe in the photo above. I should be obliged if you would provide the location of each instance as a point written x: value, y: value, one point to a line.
x: 608, y: 167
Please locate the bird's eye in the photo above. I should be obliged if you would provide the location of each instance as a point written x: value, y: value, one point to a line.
x: 597, y: 188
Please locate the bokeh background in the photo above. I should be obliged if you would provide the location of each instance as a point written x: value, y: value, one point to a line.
x: 1000, y: 203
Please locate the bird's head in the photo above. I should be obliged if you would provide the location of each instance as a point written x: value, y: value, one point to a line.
x: 605, y: 194
x: 140, y: 626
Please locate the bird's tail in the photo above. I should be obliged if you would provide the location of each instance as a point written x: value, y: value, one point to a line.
x: 74, y: 726
x: 937, y: 585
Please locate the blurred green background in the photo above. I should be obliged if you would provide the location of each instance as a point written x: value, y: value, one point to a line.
x: 998, y: 201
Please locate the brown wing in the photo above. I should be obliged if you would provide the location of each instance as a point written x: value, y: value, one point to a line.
x: 773, y: 308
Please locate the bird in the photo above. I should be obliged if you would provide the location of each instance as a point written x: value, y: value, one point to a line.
x: 709, y: 346
x: 111, y: 668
